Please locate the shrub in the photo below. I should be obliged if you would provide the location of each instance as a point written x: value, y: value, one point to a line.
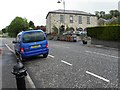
x: 111, y: 33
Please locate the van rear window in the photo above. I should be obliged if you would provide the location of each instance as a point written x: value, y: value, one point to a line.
x: 33, y: 37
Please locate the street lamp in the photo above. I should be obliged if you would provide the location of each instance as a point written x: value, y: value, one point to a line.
x: 59, y: 1
x: 63, y: 3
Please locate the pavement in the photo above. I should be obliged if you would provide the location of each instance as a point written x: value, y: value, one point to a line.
x: 8, y: 60
x: 98, y: 46
x: 101, y: 46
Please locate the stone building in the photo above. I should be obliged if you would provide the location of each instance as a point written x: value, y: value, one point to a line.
x: 69, y: 18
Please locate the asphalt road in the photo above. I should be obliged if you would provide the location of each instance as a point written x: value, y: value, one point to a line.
x: 0, y: 63
x: 69, y: 65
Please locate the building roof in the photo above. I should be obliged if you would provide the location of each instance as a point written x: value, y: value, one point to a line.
x: 76, y: 12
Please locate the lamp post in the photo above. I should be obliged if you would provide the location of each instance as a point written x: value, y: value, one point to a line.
x: 64, y: 9
x: 63, y: 3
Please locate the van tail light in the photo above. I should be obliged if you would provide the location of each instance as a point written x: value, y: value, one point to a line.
x: 22, y: 50
x: 46, y: 45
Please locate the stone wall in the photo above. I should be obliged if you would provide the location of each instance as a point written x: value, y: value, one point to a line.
x: 112, y: 44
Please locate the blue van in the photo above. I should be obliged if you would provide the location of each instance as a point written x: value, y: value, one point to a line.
x: 31, y: 43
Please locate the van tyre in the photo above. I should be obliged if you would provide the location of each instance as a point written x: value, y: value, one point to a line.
x: 45, y: 55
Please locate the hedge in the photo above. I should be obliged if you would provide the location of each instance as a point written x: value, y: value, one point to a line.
x: 111, y: 33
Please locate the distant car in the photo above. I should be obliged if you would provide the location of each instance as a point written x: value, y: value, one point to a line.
x: 68, y: 33
x: 79, y: 33
x: 84, y: 32
x: 31, y: 43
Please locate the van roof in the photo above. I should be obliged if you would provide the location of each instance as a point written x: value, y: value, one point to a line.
x: 29, y: 31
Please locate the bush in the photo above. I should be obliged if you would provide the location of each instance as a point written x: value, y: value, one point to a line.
x: 111, y: 33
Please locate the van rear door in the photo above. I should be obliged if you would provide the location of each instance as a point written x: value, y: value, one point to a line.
x: 34, y: 41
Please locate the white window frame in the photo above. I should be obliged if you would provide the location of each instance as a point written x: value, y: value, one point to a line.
x: 80, y: 19
x: 71, y: 18
x: 61, y: 18
x: 88, y: 20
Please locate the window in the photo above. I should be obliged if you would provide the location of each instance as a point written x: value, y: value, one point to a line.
x: 71, y: 19
x: 33, y: 37
x: 61, y: 18
x: 88, y: 20
x: 80, y: 19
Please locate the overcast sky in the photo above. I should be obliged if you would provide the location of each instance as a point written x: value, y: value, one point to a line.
x: 36, y: 10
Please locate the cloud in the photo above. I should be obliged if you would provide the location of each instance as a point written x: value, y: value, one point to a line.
x: 36, y: 10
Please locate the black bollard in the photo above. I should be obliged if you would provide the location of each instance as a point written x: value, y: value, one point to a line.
x: 20, y: 72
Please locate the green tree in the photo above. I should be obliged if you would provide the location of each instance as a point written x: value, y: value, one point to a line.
x: 107, y: 16
x: 55, y: 29
x: 43, y: 28
x: 0, y: 31
x: 17, y: 25
x: 102, y: 13
x: 118, y: 19
x: 4, y: 30
x: 112, y: 18
x: 97, y: 13
x: 67, y: 28
x: 114, y: 13
x: 31, y: 25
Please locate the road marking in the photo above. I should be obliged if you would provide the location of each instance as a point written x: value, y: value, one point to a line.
x: 30, y: 81
x: 28, y: 76
x: 9, y: 48
x: 66, y: 62
x: 51, y: 56
x: 102, y: 54
x: 98, y: 76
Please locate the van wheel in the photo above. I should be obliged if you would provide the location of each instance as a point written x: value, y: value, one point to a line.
x: 45, y: 55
